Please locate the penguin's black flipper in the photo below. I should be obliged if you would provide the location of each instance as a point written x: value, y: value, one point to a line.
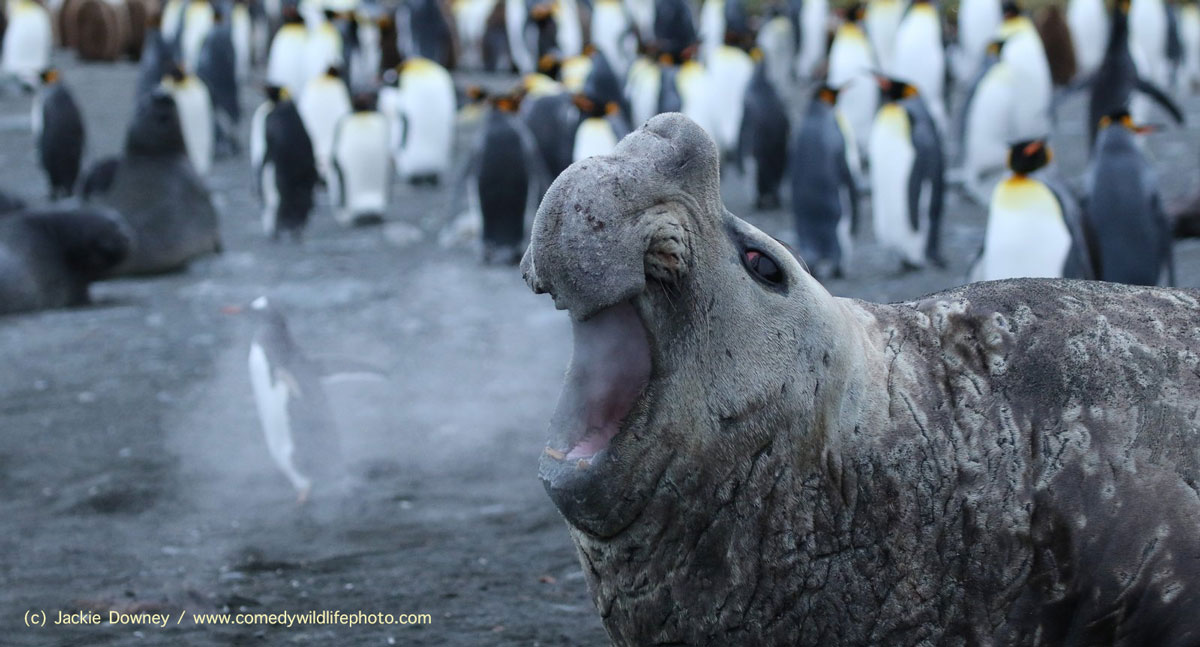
x: 928, y: 169
x: 1163, y: 224
x: 1161, y: 97
x: 1078, y: 264
x: 847, y: 179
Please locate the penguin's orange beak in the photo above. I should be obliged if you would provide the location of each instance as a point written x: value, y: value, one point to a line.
x: 232, y: 310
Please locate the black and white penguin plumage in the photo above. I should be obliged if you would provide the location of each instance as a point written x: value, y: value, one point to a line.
x: 288, y: 175
x: 325, y: 101
x: 361, y: 181
x: 824, y: 196
x: 508, y: 179
x: 194, y: 104
x: 600, y: 128
x: 907, y: 174
x: 217, y: 67
x: 920, y: 57
x: 27, y: 43
x: 551, y: 116
x: 674, y: 29
x: 1034, y: 226
x: 429, y: 32
x: 58, y: 129
x: 424, y: 114
x: 287, y: 64
x: 301, y: 433
x: 1117, y: 78
x: 988, y: 124
x: 851, y: 63
x: 49, y: 258
x: 159, y: 194
x: 1123, y: 211
x: 764, y: 136
x: 198, y: 19
x: 272, y: 95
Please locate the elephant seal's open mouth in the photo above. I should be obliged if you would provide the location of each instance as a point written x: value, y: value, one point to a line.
x: 609, y: 371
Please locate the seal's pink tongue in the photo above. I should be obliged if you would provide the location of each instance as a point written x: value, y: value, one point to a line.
x: 609, y: 369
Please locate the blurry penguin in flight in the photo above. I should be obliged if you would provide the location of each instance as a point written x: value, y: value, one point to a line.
x: 824, y: 197
x: 217, y: 67
x: 27, y: 41
x: 764, y: 136
x: 1115, y: 80
x: 508, y: 179
x: 324, y: 102
x: 58, y: 129
x: 288, y: 175
x: 194, y: 104
x: 289, y: 393
x: 362, y: 165
x: 907, y: 176
x: 1034, y: 227
x: 1123, y: 212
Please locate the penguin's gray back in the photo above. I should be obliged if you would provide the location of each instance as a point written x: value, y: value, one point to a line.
x: 217, y: 67
x: 290, y: 151
x: 818, y: 172
x: 504, y: 180
x: 62, y: 138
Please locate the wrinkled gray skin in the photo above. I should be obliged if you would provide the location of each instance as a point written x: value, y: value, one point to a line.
x: 1006, y: 463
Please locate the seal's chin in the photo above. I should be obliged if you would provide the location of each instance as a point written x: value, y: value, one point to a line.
x: 610, y: 369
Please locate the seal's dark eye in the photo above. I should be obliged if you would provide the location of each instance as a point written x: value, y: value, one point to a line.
x: 763, y: 266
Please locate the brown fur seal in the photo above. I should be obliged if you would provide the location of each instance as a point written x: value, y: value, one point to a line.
x: 744, y: 459
x: 1056, y: 39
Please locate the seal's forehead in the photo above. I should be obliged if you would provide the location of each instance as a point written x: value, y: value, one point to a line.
x: 668, y: 156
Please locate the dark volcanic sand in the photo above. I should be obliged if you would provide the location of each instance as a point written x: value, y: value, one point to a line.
x: 134, y: 476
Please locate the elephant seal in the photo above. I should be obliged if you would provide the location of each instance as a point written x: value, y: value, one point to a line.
x: 49, y: 258
x: 744, y: 459
x: 154, y: 187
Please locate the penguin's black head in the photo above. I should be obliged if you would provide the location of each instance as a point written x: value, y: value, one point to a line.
x: 276, y: 93
x: 541, y: 13
x: 1028, y: 156
x: 508, y: 102
x: 1010, y: 10
x: 550, y: 64
x: 333, y: 72
x: 855, y: 13
x: 330, y: 15
x: 155, y: 129
x: 589, y: 107
x: 826, y: 93
x: 364, y: 102
x: 49, y: 75
x: 291, y: 15
x: 175, y: 73
x: 892, y: 90
x: 995, y: 47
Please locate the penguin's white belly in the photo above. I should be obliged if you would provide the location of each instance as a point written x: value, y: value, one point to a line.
x: 322, y: 50
x: 712, y: 28
x: 813, y: 18
x: 882, y: 23
x: 27, y: 41
x: 241, y: 30
x: 570, y: 31
x: 595, y: 136
x: 777, y: 46
x: 850, y: 65
x: 892, y: 156
x: 285, y: 62
x: 694, y: 88
x: 195, y: 115
x: 977, y: 24
x: 1088, y: 23
x: 270, y: 197
x: 1026, y: 235
x: 515, y: 13
x: 197, y: 22
x: 1148, y: 32
x: 258, y: 134
x: 645, y: 81
x: 989, y: 129
x: 324, y: 102
x: 171, y: 16
x: 642, y: 12
x: 1024, y: 54
x: 608, y: 27
x: 920, y: 59
x: 36, y: 115
x: 364, y: 166
x: 729, y: 75
x: 427, y: 104
x: 272, y: 403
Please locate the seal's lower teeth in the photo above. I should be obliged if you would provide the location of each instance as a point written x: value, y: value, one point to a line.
x: 583, y: 464
x: 555, y: 454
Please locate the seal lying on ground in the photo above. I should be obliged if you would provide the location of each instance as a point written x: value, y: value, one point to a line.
x: 49, y: 258
x: 744, y: 459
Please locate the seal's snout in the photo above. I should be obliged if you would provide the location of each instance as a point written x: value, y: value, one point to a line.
x: 610, y: 222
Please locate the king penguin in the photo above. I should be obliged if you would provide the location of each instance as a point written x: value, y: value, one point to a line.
x: 1124, y: 213
x: 907, y: 175
x: 599, y: 130
x: 429, y: 32
x: 1033, y: 227
x: 198, y: 18
x: 288, y: 174
x: 643, y: 84
x: 217, y: 67
x: 1117, y: 77
x: 258, y: 131
x: 324, y: 102
x: 987, y: 124
x: 362, y: 165
x: 520, y: 34
x: 777, y: 43
x: 722, y: 96
x: 920, y: 57
x: 978, y: 21
x: 301, y: 433
x: 323, y: 49
x: 195, y: 116
x: 1026, y: 56
x: 27, y: 41
x: 824, y: 197
x: 764, y: 136
x: 611, y: 31
x: 425, y: 115
x: 286, y: 65
x: 882, y: 21
x: 851, y: 62
x: 814, y: 39
x: 551, y: 116
x: 58, y: 129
